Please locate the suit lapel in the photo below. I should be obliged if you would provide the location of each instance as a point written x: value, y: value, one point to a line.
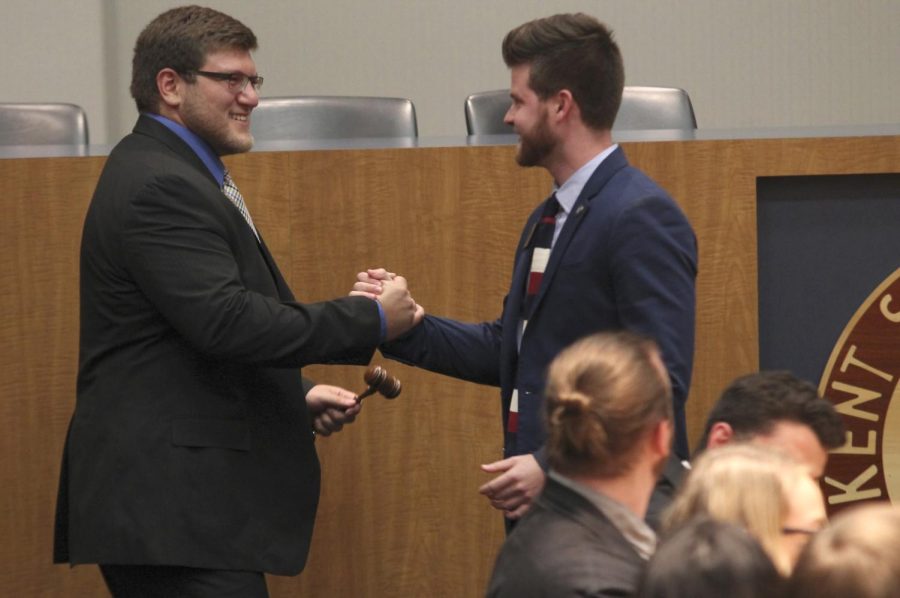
x: 612, y: 164
x: 284, y: 292
x: 150, y: 127
x: 520, y: 274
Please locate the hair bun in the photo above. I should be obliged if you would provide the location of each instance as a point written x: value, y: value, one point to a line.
x: 569, y: 403
x: 573, y: 398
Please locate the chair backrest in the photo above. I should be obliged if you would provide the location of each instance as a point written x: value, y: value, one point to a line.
x: 642, y: 108
x: 43, y: 124
x: 332, y: 117
x: 655, y: 108
x: 485, y: 111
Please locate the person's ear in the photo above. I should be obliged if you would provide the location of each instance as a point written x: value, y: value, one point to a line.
x: 171, y: 87
x: 720, y: 434
x: 662, y: 438
x: 563, y: 103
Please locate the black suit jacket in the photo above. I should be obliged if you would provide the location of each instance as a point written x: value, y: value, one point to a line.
x: 664, y: 492
x: 564, y: 546
x: 191, y: 443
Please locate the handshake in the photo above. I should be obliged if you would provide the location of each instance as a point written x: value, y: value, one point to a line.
x: 333, y: 407
x: 401, y: 312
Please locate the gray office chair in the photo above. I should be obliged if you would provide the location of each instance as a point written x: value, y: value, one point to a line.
x: 642, y: 108
x: 43, y: 124
x: 655, y: 108
x: 332, y: 117
x: 485, y: 111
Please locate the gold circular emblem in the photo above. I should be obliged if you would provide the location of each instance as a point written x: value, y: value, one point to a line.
x: 861, y: 379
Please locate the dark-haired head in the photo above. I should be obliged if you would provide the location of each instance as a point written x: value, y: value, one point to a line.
x: 574, y: 52
x: 776, y: 408
x: 181, y: 39
x: 706, y: 558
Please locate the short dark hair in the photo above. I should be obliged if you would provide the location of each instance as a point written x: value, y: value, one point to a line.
x: 575, y: 52
x: 754, y: 403
x: 706, y: 559
x: 181, y: 39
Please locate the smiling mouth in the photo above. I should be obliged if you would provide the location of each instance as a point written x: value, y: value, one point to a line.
x: 240, y: 117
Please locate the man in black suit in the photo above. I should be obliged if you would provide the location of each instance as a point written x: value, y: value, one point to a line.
x: 190, y: 468
x: 608, y: 407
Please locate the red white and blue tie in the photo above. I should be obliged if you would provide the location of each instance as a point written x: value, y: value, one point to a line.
x: 541, y: 244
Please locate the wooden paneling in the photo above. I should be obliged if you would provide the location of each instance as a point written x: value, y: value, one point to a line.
x: 43, y: 205
x: 448, y: 220
x: 400, y: 514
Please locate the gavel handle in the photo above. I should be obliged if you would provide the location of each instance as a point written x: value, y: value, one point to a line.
x: 366, y: 393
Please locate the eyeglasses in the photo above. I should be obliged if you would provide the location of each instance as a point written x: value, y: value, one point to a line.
x: 799, y: 530
x: 237, y: 82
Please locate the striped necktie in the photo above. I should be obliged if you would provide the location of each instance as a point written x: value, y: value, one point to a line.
x: 541, y: 243
x: 231, y: 192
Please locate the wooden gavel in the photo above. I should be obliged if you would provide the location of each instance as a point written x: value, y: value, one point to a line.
x: 379, y: 381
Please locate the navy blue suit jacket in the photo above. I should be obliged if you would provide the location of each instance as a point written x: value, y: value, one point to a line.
x: 625, y: 259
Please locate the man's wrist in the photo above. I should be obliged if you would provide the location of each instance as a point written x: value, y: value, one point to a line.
x: 383, y: 335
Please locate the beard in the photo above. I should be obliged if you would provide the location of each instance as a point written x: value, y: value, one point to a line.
x: 535, y: 145
x: 214, y: 127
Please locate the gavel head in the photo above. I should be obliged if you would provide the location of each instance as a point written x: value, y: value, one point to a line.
x: 378, y: 378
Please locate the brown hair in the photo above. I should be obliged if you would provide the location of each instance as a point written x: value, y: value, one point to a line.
x: 181, y: 39
x: 575, y: 52
x: 857, y: 555
x: 603, y: 395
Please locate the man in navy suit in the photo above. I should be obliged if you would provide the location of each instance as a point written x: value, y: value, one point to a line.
x: 189, y: 467
x: 619, y: 253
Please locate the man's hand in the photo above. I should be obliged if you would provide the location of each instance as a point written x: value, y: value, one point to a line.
x: 368, y: 283
x: 331, y: 408
x: 520, y: 481
x: 400, y: 310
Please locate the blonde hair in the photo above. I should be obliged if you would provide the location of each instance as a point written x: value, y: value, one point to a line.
x: 744, y: 484
x: 603, y: 395
x: 858, y: 555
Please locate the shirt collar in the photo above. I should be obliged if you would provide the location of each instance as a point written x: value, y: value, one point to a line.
x: 196, y: 143
x: 632, y: 527
x: 567, y: 193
